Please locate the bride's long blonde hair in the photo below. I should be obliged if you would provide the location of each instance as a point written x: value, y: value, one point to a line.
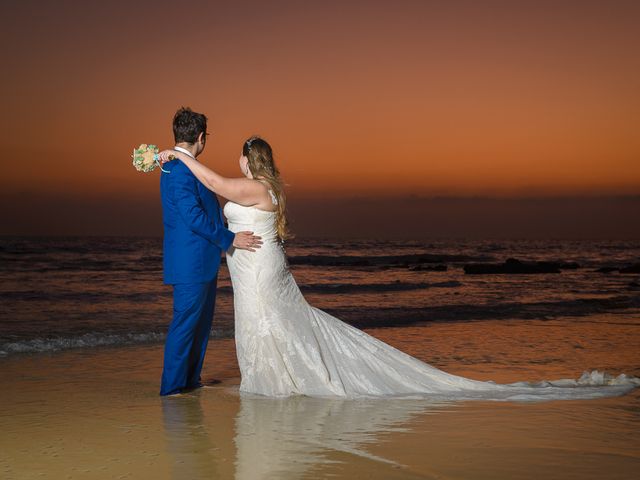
x: 262, y: 167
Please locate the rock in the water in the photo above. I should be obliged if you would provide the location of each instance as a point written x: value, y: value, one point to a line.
x: 635, y: 268
x: 607, y: 269
x: 512, y: 266
x: 428, y: 268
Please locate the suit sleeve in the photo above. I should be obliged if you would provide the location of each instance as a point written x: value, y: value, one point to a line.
x: 185, y: 195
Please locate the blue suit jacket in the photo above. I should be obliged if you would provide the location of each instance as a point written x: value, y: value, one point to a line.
x: 194, y: 231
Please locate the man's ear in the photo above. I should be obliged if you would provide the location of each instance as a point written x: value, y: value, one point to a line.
x: 201, y: 137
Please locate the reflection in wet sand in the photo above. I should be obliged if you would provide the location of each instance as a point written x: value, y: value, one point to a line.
x: 188, y: 440
x: 96, y: 414
x: 286, y: 437
x: 282, y: 437
x: 219, y: 433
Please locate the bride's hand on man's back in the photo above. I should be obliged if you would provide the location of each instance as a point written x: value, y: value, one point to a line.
x: 247, y: 241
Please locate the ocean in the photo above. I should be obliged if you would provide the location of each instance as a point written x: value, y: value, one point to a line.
x: 61, y: 293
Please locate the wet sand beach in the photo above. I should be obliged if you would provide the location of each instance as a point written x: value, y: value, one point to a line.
x: 95, y: 413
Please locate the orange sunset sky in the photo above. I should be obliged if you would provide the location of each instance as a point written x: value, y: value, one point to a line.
x: 489, y: 103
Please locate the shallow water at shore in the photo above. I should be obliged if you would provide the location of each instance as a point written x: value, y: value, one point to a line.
x: 61, y: 293
x: 95, y: 413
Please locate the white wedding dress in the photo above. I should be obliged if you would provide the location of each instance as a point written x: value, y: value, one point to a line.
x: 287, y: 347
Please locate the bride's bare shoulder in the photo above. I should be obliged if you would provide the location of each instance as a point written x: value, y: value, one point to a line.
x: 267, y: 200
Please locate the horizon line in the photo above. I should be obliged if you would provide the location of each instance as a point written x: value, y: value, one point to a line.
x: 326, y: 196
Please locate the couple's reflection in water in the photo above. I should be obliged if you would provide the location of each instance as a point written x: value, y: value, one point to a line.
x: 224, y: 434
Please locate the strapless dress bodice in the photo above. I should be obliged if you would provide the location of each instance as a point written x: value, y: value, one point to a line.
x: 260, y: 222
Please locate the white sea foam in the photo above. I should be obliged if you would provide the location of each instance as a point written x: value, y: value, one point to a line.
x: 54, y: 344
x: 36, y: 345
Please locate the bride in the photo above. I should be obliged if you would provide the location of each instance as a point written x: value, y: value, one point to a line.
x: 286, y: 346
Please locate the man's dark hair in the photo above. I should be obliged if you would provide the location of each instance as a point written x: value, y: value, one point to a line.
x: 187, y: 125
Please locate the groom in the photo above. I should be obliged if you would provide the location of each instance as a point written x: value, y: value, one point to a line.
x: 194, y: 239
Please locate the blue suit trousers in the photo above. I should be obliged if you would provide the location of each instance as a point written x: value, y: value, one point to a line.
x: 188, y: 335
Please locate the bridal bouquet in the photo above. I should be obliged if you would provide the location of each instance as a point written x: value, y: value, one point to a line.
x: 145, y: 158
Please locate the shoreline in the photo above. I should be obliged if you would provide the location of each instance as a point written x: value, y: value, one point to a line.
x: 99, y: 340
